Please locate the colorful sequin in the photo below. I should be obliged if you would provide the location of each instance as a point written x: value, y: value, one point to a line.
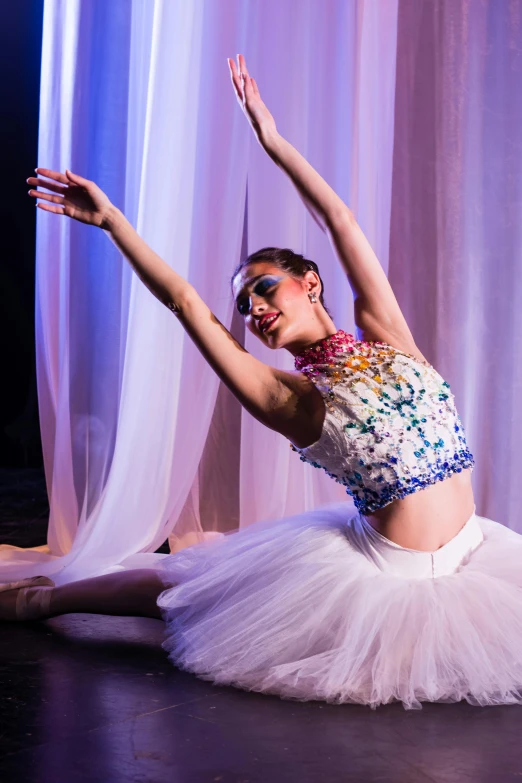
x: 391, y: 427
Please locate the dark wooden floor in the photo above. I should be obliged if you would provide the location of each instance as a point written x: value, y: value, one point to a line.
x: 87, y: 698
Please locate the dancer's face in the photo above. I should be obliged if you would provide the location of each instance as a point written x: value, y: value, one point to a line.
x: 263, y: 289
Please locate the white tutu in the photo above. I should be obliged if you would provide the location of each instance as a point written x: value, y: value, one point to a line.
x: 320, y: 606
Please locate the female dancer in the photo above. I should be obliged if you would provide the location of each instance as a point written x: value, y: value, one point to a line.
x: 412, y: 596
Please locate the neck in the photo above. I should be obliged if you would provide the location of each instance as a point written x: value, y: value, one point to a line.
x: 323, y: 329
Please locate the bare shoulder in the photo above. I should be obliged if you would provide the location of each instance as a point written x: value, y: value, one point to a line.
x: 407, y: 347
x: 373, y: 325
x: 401, y: 340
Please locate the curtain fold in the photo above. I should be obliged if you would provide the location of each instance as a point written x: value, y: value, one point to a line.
x: 456, y: 232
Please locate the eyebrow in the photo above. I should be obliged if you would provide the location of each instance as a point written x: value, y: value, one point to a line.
x: 250, y: 280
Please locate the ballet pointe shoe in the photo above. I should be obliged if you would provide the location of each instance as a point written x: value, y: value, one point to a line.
x: 28, y: 599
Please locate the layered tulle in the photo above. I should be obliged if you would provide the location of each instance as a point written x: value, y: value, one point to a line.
x: 294, y: 608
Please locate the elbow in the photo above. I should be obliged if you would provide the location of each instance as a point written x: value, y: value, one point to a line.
x: 181, y: 301
x: 339, y: 218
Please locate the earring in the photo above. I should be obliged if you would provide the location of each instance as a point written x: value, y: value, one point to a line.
x: 313, y: 296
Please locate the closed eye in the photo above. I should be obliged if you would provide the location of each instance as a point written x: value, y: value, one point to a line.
x: 260, y: 288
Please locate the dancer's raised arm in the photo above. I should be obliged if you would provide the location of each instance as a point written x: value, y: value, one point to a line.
x: 377, y: 312
x: 261, y: 389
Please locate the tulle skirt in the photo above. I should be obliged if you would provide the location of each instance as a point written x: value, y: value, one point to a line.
x: 321, y: 606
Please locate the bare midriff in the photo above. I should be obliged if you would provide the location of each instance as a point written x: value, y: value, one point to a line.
x: 429, y: 518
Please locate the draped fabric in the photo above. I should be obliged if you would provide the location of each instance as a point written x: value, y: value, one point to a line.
x: 456, y: 227
x: 141, y: 440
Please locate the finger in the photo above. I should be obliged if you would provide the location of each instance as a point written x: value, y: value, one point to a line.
x: 56, y: 175
x: 36, y: 182
x: 49, y: 208
x: 242, y: 64
x: 254, y: 84
x: 242, y: 72
x: 77, y: 179
x: 46, y: 196
x: 235, y: 78
x: 232, y: 66
x: 248, y: 87
x: 234, y: 73
x: 245, y: 76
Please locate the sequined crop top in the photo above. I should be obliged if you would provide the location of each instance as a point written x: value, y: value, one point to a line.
x: 391, y: 427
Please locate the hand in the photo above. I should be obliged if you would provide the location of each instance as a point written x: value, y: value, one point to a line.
x: 247, y: 93
x: 77, y: 197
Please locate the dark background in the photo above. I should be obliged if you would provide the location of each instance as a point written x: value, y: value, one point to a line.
x: 20, y: 61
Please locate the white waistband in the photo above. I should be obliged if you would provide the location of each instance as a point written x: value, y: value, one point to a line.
x: 413, y: 563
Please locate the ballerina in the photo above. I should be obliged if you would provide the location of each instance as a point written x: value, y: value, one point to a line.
x: 411, y: 596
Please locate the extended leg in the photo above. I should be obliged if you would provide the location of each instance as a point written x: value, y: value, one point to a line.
x: 124, y: 593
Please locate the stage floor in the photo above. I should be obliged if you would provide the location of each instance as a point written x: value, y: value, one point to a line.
x: 94, y: 698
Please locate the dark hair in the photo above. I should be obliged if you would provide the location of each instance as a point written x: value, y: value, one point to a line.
x: 293, y: 263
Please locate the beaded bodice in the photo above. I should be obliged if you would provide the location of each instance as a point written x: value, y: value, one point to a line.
x: 391, y: 427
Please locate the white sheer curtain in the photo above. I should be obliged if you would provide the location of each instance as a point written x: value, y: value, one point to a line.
x: 456, y: 231
x: 141, y: 441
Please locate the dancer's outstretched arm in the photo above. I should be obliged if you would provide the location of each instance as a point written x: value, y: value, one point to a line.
x: 377, y: 312
x: 263, y: 390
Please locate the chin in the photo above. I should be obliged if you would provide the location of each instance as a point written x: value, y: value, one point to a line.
x: 277, y: 341
x: 272, y: 341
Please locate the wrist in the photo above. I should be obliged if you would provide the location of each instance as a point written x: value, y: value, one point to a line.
x: 268, y: 136
x: 112, y: 218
